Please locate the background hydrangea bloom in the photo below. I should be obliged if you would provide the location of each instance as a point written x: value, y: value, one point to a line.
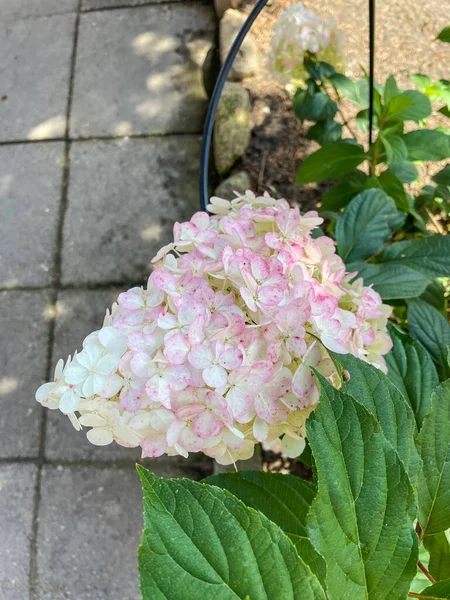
x: 297, y: 33
x: 215, y: 354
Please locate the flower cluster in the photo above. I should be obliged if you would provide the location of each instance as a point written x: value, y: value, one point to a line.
x: 297, y: 33
x: 215, y: 354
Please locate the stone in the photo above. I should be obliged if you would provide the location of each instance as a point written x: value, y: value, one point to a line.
x: 34, y: 85
x: 30, y: 190
x: 222, y: 5
x: 24, y: 334
x: 24, y: 9
x: 233, y: 127
x: 17, y: 489
x: 90, y: 526
x: 246, y: 63
x: 135, y: 71
x: 237, y: 182
x: 124, y: 197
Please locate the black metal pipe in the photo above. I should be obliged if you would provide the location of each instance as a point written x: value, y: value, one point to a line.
x: 371, y: 64
x: 214, y: 102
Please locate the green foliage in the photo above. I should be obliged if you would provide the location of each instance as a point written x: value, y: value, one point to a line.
x: 361, y: 518
x: 330, y: 162
x: 391, y: 281
x: 412, y: 371
x: 431, y: 329
x: 427, y: 144
x: 439, y: 549
x: 434, y: 480
x: 438, y: 591
x: 284, y: 499
x: 386, y: 404
x: 367, y: 223
x: 199, y: 541
x: 429, y: 255
x: 444, y: 35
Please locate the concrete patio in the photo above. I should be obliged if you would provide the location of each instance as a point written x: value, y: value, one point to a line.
x: 101, y: 107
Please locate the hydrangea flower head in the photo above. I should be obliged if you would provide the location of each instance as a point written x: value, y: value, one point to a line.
x: 297, y: 33
x: 214, y: 355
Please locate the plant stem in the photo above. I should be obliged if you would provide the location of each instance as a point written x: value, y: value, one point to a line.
x: 345, y: 123
x: 414, y: 595
x: 426, y: 572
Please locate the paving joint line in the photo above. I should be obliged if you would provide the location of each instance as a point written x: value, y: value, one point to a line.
x: 75, y: 287
x: 56, y: 277
x: 85, y: 11
x: 103, y: 138
x: 200, y: 467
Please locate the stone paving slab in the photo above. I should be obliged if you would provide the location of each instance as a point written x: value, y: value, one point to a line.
x: 24, y: 331
x: 30, y: 189
x: 17, y: 486
x: 123, y: 200
x: 22, y: 9
x: 137, y: 70
x: 89, y: 531
x: 35, y: 66
x: 78, y: 313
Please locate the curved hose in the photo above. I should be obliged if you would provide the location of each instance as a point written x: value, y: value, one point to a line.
x: 214, y: 102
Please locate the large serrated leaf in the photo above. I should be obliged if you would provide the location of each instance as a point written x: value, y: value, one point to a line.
x: 429, y: 255
x: 439, y: 550
x: 412, y: 371
x: 284, y: 499
x: 431, y: 329
x: 361, y: 518
x: 202, y: 542
x: 434, y: 479
x: 366, y: 224
x: 391, y: 282
x: 376, y: 392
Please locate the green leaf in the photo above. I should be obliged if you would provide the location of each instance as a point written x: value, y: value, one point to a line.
x: 284, y: 499
x: 434, y: 295
x: 444, y: 110
x: 361, y: 518
x: 317, y: 107
x: 319, y: 70
x: 428, y: 255
x: 376, y: 392
x: 395, y: 147
x: 434, y: 480
x: 391, y: 282
x: 421, y: 81
x: 394, y: 188
x: 365, y: 225
x: 420, y: 107
x: 412, y: 371
x: 431, y: 329
x: 439, y: 549
x: 443, y: 176
x: 331, y: 162
x: 390, y: 89
x: 396, y: 105
x: 404, y: 170
x: 356, y: 91
x: 201, y: 542
x: 444, y: 35
x: 341, y: 194
x: 427, y: 144
x: 325, y: 132
x: 438, y: 591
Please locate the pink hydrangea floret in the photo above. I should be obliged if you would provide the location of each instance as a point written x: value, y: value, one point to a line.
x: 215, y: 354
